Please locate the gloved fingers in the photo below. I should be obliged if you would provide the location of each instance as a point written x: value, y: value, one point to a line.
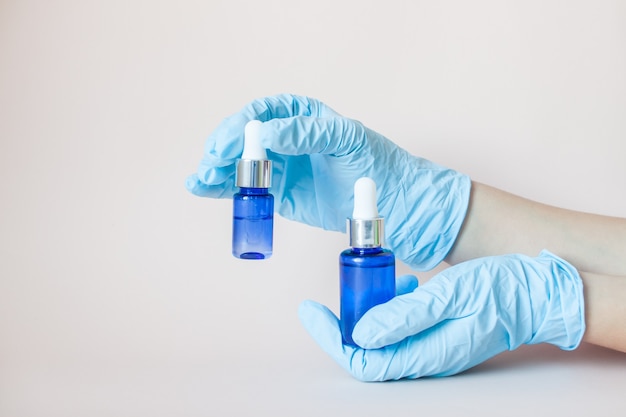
x: 447, y: 348
x: 214, y: 171
x: 406, y: 284
x: 225, y: 144
x: 224, y: 190
x: 323, y: 326
x: 281, y: 106
x: 415, y: 357
x: 404, y: 315
x: 391, y: 362
x: 302, y: 135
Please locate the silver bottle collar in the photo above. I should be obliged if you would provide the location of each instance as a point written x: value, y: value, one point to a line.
x: 366, y: 233
x: 254, y: 174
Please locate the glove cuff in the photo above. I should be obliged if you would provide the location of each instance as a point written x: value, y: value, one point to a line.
x: 428, y: 211
x: 563, y: 324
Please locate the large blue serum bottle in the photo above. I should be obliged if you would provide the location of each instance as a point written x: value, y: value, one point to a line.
x: 367, y: 272
x: 253, y: 205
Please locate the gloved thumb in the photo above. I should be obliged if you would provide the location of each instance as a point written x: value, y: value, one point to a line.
x: 406, y: 284
x: 323, y: 326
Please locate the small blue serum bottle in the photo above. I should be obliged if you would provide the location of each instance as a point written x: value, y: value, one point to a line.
x: 367, y: 272
x: 253, y: 205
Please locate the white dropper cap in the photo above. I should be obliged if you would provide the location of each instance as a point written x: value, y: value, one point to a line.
x: 366, y: 227
x: 254, y: 170
x: 365, y: 199
x: 252, y: 148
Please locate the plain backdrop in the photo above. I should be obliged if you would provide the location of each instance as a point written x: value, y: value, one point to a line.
x: 118, y: 293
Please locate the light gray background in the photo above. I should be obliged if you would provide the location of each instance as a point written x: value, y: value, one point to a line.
x: 118, y: 293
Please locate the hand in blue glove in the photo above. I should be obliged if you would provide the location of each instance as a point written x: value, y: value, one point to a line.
x: 318, y: 155
x: 463, y: 316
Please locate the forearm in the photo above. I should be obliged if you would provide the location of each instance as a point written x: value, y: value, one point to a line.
x: 498, y: 222
x: 605, y: 310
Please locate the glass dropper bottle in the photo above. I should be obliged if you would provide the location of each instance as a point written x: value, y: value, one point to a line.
x: 253, y: 205
x: 366, y: 270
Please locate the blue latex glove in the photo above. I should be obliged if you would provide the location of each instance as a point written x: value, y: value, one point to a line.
x: 463, y: 316
x: 318, y: 155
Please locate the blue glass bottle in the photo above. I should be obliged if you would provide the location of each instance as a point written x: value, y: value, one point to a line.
x: 253, y: 223
x: 367, y: 278
x: 253, y: 205
x: 367, y: 271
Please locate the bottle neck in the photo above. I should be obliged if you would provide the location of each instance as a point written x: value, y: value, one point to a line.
x: 367, y: 251
x: 253, y: 191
